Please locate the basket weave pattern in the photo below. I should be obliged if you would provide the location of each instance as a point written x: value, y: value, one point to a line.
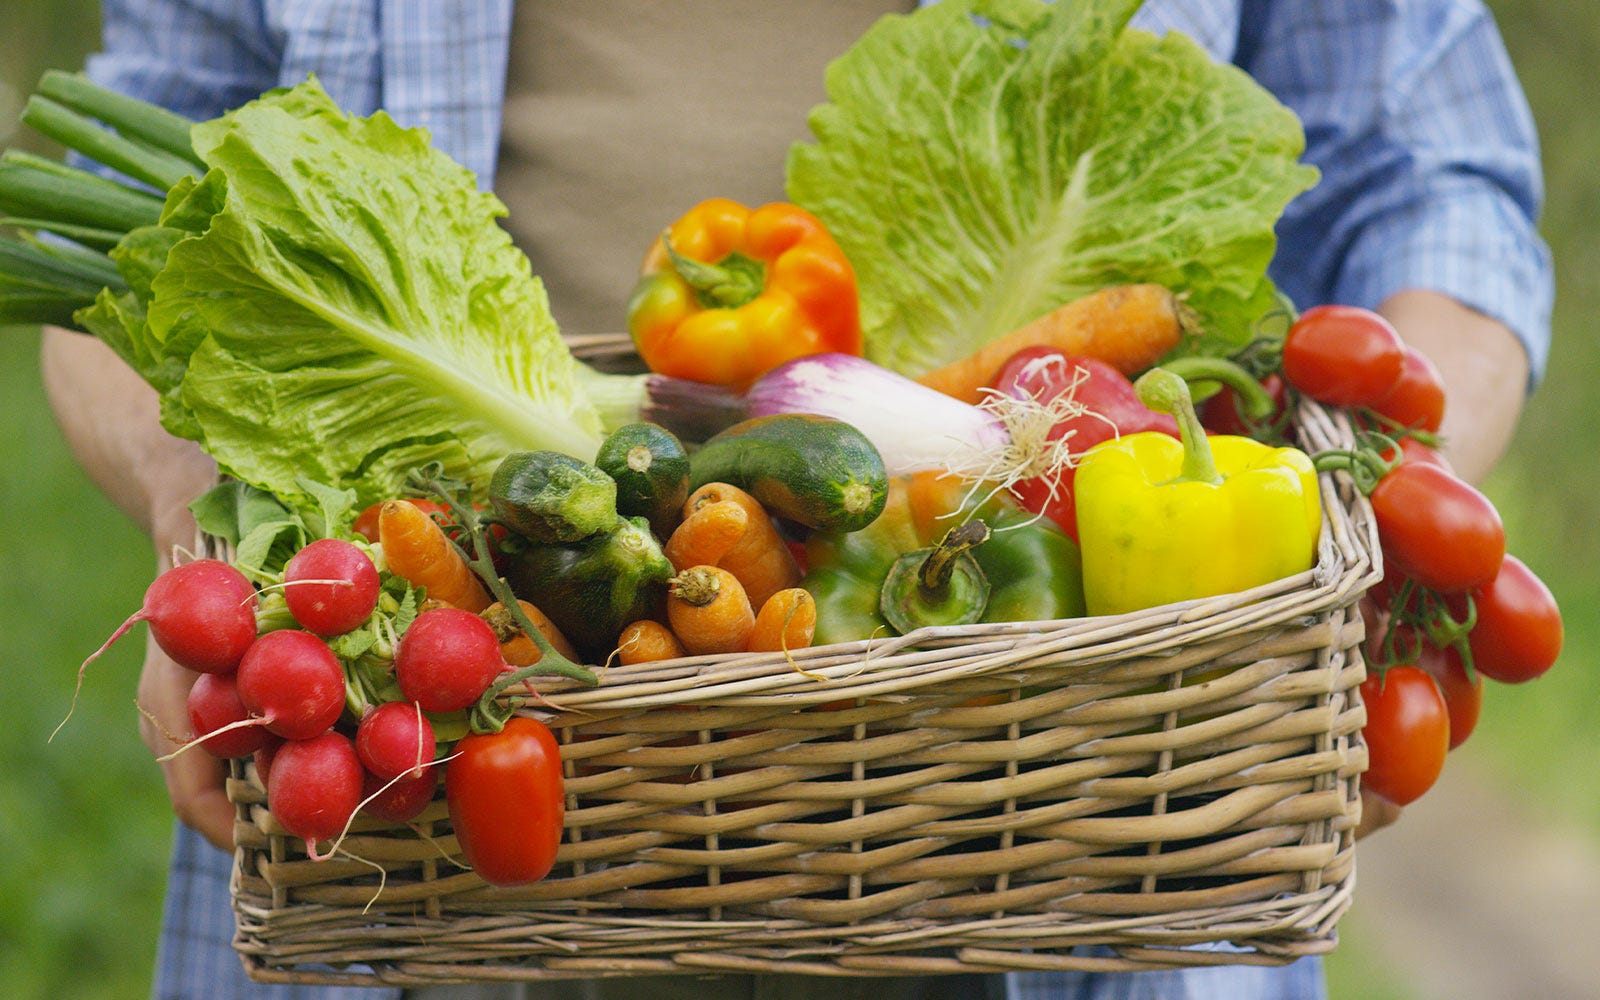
x: 980, y: 798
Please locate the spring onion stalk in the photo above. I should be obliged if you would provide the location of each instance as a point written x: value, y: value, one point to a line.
x: 34, y: 186
x: 152, y: 125
x: 155, y: 167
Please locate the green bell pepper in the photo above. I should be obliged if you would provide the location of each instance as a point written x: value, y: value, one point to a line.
x: 917, y: 564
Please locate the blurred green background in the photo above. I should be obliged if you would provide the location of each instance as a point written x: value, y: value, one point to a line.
x: 84, y: 820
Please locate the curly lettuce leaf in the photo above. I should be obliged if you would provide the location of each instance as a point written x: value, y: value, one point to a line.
x: 983, y: 161
x: 335, y: 301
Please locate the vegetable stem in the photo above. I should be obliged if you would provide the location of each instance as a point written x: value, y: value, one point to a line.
x: 67, y: 268
x: 34, y: 186
x: 1167, y: 392
x: 156, y: 126
x: 89, y: 236
x: 153, y: 166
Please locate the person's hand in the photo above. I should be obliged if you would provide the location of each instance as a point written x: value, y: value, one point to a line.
x: 110, y: 419
x: 1377, y: 812
x: 195, y: 779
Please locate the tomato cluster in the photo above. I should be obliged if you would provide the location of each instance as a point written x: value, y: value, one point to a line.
x: 1453, y: 606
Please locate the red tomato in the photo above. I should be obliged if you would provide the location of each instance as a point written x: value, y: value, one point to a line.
x: 507, y: 801
x: 1407, y: 733
x: 1343, y: 355
x: 1417, y: 400
x: 1035, y: 495
x: 1413, y: 450
x: 1463, y: 698
x: 1518, y: 632
x: 1437, y: 529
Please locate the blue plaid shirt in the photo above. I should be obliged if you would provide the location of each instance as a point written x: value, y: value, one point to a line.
x: 1430, y: 179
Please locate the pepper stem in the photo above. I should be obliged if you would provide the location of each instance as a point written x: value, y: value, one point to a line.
x: 737, y: 279
x: 934, y: 574
x: 1256, y: 402
x: 1167, y: 392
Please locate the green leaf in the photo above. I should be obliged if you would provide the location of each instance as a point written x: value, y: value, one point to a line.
x: 983, y: 161
x: 338, y: 303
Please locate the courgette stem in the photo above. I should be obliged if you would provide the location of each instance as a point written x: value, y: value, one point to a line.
x: 34, y: 186
x: 152, y: 166
x: 130, y: 116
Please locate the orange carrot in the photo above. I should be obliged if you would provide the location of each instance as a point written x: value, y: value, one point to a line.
x: 645, y: 641
x: 707, y: 534
x: 787, y: 621
x: 760, y: 560
x: 709, y: 611
x: 516, y: 648
x: 1130, y: 327
x: 416, y: 548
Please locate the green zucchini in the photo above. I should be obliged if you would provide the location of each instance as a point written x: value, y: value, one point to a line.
x: 816, y: 471
x: 551, y: 497
x: 651, y: 470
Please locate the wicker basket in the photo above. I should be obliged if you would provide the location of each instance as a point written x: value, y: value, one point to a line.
x: 1179, y: 784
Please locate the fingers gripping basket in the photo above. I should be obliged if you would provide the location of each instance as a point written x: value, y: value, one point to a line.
x: 981, y: 798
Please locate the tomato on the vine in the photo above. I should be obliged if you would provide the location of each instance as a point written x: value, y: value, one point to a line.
x: 1463, y: 697
x: 1517, y: 634
x: 1437, y: 529
x: 1407, y: 733
x: 1417, y: 400
x: 1412, y: 449
x: 1343, y: 355
x: 507, y: 801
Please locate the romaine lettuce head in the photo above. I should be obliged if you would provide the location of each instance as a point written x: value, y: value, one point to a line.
x: 984, y: 161
x: 335, y: 301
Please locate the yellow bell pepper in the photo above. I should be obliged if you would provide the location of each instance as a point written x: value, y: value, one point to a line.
x: 1163, y: 520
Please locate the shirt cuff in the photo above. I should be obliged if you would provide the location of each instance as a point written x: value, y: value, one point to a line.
x: 1474, y: 245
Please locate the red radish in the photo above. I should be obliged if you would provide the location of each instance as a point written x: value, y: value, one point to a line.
x: 330, y: 586
x: 395, y: 739
x: 202, y: 614
x: 314, y: 787
x: 292, y: 681
x: 263, y: 757
x: 447, y: 659
x: 398, y: 800
x: 214, y: 704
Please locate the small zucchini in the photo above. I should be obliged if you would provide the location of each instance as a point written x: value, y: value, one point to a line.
x: 550, y: 497
x: 816, y: 471
x: 651, y: 470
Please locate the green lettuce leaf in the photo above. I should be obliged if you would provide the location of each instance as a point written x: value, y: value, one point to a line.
x: 983, y: 161
x: 336, y: 302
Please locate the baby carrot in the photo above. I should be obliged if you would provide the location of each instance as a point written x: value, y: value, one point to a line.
x: 1130, y: 327
x: 645, y: 641
x: 707, y: 534
x: 787, y: 621
x: 760, y: 560
x: 709, y: 611
x: 516, y: 648
x: 416, y: 548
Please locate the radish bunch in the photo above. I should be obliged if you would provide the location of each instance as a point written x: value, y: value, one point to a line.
x: 328, y: 676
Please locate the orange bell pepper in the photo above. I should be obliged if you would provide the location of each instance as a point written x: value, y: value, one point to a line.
x: 727, y: 293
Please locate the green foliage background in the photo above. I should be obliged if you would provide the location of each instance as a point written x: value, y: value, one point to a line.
x: 84, y: 822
